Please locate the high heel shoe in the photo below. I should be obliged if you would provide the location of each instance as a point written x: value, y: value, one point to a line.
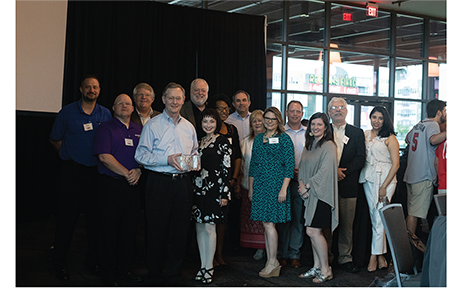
x: 382, y: 264
x: 322, y: 278
x: 372, y: 265
x: 200, y: 274
x: 314, y: 271
x: 207, y: 280
x: 275, y: 272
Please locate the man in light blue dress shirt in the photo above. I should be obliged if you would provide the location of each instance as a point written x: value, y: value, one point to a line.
x: 241, y: 117
x: 169, y: 188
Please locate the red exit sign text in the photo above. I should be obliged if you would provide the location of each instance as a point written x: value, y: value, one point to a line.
x: 372, y: 10
x: 347, y: 16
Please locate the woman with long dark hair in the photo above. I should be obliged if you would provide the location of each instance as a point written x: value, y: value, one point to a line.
x: 378, y: 178
x: 318, y: 185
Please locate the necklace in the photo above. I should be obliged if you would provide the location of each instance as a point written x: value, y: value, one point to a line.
x: 207, y: 140
x: 266, y: 138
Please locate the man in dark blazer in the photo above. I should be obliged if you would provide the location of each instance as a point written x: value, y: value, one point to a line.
x: 192, y: 109
x: 350, y: 144
x: 143, y: 97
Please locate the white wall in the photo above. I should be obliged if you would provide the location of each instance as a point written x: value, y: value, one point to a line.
x: 40, y: 44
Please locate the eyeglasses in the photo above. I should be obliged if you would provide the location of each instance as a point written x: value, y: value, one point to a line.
x: 221, y: 109
x: 142, y: 95
x: 171, y: 99
x: 123, y: 103
x: 338, y: 107
x: 270, y: 119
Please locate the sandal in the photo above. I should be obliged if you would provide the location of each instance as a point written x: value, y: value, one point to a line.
x: 275, y: 272
x: 322, y: 278
x: 200, y: 274
x: 382, y: 264
x: 314, y: 271
x: 207, y: 280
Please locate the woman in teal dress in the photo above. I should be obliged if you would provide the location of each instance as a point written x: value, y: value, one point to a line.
x: 271, y: 169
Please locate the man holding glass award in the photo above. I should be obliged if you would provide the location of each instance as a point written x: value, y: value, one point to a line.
x: 167, y: 149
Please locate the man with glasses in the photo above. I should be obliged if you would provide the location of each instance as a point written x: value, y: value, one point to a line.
x: 72, y: 137
x: 350, y: 152
x: 143, y: 97
x: 115, y: 143
x: 168, y: 189
x: 241, y: 117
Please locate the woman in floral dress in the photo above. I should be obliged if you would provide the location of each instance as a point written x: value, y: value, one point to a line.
x: 211, y: 190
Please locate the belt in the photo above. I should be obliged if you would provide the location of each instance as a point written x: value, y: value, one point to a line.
x: 173, y: 175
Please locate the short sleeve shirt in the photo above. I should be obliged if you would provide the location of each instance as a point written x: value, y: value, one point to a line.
x: 114, y: 138
x: 421, y: 155
x: 76, y: 130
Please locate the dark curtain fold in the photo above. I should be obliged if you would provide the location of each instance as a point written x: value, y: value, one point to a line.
x: 125, y: 43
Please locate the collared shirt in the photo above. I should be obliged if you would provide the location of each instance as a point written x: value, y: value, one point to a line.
x: 114, y: 138
x: 145, y: 119
x: 76, y: 130
x: 339, y: 140
x: 162, y: 137
x: 299, y: 140
x: 242, y: 124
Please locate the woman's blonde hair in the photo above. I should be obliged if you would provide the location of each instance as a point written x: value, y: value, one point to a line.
x: 253, y: 115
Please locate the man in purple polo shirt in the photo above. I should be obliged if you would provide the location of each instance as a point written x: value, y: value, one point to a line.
x: 115, y: 143
x: 72, y: 136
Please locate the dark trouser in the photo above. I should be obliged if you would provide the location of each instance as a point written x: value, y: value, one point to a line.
x: 119, y: 209
x: 77, y: 193
x: 168, y: 211
x: 235, y: 206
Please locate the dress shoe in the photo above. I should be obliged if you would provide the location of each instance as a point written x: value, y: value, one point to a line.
x: 61, y: 274
x: 283, y: 262
x: 130, y: 277
x: 349, y: 267
x: 295, y: 263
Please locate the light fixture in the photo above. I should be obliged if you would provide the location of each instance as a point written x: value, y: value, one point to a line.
x: 334, y: 56
x: 433, y: 68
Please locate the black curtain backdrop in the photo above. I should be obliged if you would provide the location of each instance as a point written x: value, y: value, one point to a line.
x: 125, y: 43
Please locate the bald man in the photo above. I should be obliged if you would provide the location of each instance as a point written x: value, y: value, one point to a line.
x: 118, y: 198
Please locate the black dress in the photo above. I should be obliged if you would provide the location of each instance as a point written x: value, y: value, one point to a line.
x: 212, y: 183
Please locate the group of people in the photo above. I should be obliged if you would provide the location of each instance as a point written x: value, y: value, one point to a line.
x: 256, y: 178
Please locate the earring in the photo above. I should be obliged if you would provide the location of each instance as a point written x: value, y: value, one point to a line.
x: 311, y: 134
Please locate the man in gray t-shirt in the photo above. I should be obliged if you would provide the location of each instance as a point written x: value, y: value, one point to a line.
x: 420, y: 174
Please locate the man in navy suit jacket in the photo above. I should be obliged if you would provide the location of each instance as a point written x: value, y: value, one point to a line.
x: 350, y: 143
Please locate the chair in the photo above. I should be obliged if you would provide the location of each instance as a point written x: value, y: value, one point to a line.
x: 441, y: 203
x: 399, y: 244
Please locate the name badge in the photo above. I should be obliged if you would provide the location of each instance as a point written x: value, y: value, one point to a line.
x: 273, y: 140
x: 88, y: 126
x: 128, y: 142
x: 345, y: 139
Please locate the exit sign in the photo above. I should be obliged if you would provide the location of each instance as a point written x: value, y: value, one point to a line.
x: 372, y: 10
x: 347, y: 16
